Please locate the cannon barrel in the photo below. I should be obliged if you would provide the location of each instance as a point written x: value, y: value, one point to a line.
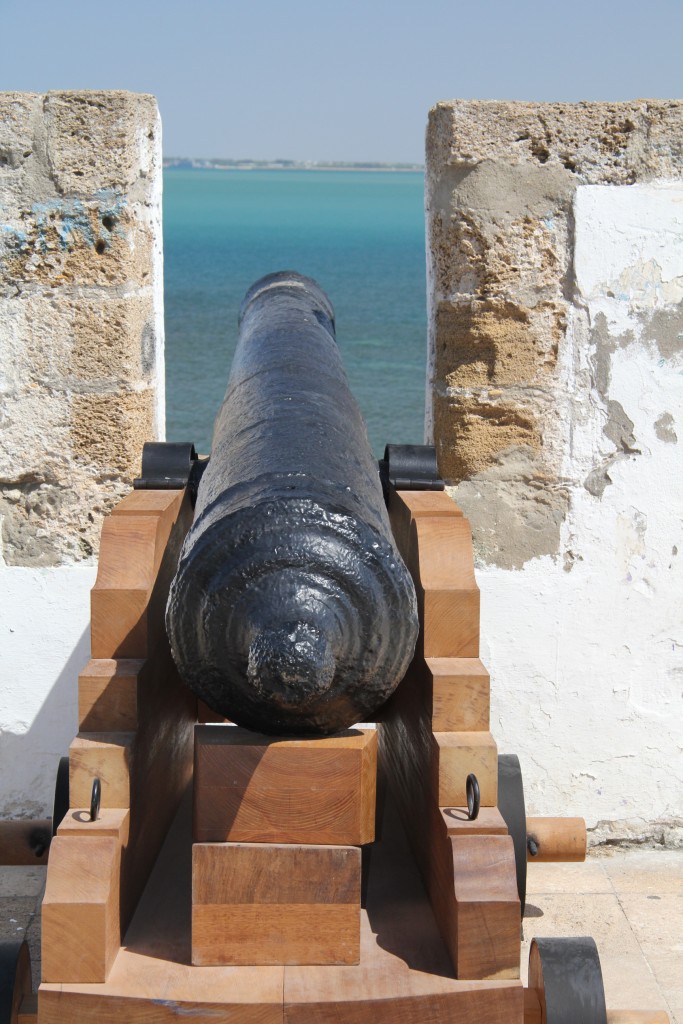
x: 291, y: 610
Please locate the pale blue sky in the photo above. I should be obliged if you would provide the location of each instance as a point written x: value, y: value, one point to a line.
x: 347, y: 80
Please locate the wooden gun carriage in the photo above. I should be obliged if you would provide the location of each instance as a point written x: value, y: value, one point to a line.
x: 375, y: 874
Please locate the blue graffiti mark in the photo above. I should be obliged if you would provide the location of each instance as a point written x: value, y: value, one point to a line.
x: 549, y: 223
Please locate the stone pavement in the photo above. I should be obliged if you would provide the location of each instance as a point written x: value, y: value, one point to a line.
x: 630, y: 901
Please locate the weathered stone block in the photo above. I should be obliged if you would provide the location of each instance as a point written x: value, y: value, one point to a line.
x: 102, y: 140
x: 81, y: 328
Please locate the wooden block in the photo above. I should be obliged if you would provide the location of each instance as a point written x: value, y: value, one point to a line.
x: 105, y: 756
x: 149, y: 503
x: 487, y: 918
x: 133, y: 545
x: 108, y: 695
x: 456, y: 755
x: 431, y: 503
x: 450, y: 595
x: 488, y: 822
x: 81, y: 915
x: 250, y: 788
x: 460, y: 694
x: 558, y: 839
x: 272, y: 904
x: 112, y: 821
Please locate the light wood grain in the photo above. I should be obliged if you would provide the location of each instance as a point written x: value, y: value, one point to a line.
x: 149, y: 767
x: 80, y: 928
x: 114, y: 822
x: 107, y: 695
x: 274, y: 873
x: 637, y: 1017
x: 437, y: 549
x: 404, y: 975
x: 487, y: 907
x: 460, y: 694
x: 275, y: 904
x: 457, y: 823
x: 253, y: 788
x: 456, y: 755
x: 132, y: 549
x: 558, y: 839
x: 105, y: 756
x: 276, y: 933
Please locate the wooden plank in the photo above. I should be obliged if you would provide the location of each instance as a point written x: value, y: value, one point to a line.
x: 460, y: 694
x: 486, y: 925
x: 108, y: 695
x: 80, y: 929
x: 558, y: 839
x: 456, y: 755
x: 25, y: 842
x: 105, y: 756
x: 275, y: 904
x: 260, y: 789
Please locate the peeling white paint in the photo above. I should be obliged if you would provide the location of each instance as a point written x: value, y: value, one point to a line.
x: 629, y: 249
x: 587, y: 665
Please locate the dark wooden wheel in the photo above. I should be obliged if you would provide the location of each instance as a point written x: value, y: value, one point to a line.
x: 567, y: 977
x: 511, y: 806
x: 15, y: 978
x: 61, y: 802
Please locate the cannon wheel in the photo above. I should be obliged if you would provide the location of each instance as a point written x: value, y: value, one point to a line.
x: 61, y: 801
x: 15, y: 978
x: 511, y: 806
x: 567, y: 977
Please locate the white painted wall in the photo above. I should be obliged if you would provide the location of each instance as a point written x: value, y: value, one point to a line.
x: 44, y: 644
x: 587, y: 664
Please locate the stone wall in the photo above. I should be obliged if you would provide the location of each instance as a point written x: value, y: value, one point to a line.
x: 555, y: 266
x: 81, y: 389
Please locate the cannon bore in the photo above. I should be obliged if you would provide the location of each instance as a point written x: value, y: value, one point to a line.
x: 291, y: 610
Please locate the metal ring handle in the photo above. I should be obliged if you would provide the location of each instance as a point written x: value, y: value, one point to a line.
x: 95, y: 800
x: 473, y: 797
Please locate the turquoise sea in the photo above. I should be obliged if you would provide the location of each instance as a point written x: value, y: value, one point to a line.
x: 359, y: 234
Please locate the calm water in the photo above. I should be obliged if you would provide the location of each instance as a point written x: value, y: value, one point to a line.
x: 361, y: 235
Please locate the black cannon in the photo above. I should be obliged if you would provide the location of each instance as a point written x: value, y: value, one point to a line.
x: 291, y: 610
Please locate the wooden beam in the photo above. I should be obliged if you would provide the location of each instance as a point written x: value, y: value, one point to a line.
x: 108, y: 695
x: 81, y: 932
x: 250, y: 788
x: 275, y: 904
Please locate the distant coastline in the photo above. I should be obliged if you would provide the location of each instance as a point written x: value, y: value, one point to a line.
x: 175, y: 163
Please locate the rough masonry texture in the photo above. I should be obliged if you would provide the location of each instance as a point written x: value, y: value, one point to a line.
x: 555, y: 266
x: 81, y: 329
